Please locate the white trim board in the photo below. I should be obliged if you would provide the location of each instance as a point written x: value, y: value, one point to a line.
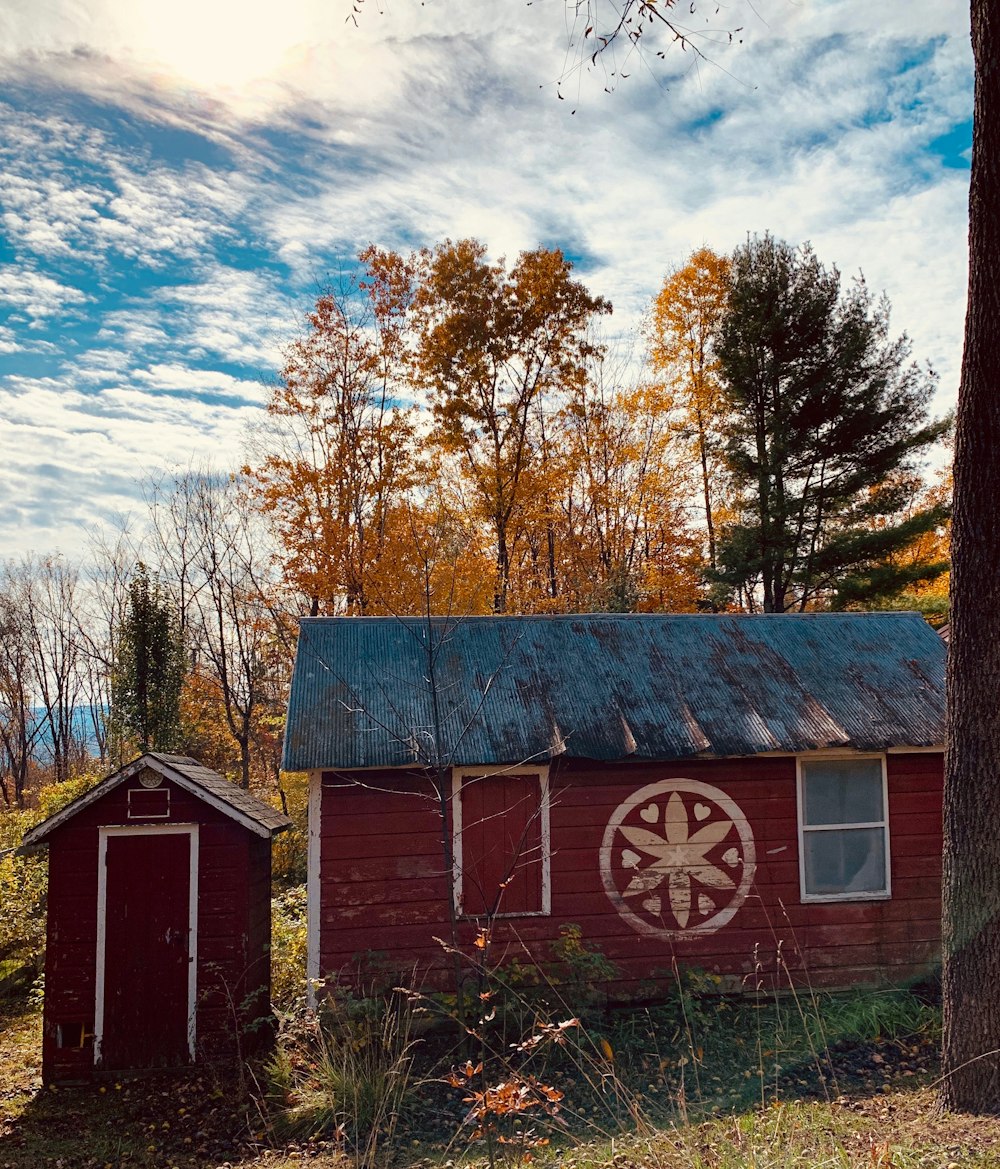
x: 314, y: 845
x: 104, y: 832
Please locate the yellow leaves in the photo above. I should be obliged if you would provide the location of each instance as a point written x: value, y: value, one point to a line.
x: 496, y: 350
x: 521, y: 484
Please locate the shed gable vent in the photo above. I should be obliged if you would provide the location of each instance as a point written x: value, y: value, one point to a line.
x: 149, y: 803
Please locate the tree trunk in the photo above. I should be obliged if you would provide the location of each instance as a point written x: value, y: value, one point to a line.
x: 971, y: 926
x: 245, y: 761
x: 706, y: 490
x: 503, y: 571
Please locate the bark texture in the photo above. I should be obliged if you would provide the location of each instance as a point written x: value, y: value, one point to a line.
x: 971, y: 937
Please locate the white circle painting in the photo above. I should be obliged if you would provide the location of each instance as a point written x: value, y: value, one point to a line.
x: 677, y: 859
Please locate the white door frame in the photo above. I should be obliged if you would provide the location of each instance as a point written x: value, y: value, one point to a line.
x: 104, y: 833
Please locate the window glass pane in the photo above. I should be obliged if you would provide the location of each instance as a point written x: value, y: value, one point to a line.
x: 842, y: 791
x: 847, y: 861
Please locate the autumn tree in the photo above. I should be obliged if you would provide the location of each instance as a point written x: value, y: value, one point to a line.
x: 826, y: 414
x: 971, y: 1042
x: 20, y: 726
x: 148, y: 670
x: 497, y: 351
x: 683, y: 322
x: 206, y: 533
x: 624, y: 530
x: 336, y: 454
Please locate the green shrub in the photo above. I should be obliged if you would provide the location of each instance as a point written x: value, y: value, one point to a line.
x: 289, y: 940
x: 289, y: 851
x: 24, y: 879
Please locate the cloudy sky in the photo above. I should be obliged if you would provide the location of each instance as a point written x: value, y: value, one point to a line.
x: 178, y: 180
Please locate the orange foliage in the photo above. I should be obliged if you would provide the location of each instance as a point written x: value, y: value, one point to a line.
x: 684, y: 318
x: 442, y: 440
x: 338, y: 457
x: 498, y: 352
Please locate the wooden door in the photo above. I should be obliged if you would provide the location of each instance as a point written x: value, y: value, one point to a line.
x: 501, y: 845
x: 147, y: 951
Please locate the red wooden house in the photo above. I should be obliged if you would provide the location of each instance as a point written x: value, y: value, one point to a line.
x: 159, y: 920
x: 757, y: 796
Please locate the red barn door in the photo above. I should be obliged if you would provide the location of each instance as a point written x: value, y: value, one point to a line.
x: 148, y: 951
x: 501, y: 845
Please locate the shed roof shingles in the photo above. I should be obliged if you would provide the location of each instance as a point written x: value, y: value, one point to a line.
x: 228, y: 797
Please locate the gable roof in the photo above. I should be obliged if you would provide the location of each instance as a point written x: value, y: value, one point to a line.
x: 252, y: 813
x: 609, y: 686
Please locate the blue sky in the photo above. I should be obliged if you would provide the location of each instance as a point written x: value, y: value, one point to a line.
x: 178, y: 181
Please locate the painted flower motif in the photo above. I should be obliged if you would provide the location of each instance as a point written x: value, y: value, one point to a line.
x: 680, y: 858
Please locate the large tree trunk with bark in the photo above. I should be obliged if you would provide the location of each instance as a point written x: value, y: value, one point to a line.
x: 971, y: 1061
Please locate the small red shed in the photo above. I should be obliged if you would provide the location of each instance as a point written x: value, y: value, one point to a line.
x: 756, y: 796
x: 159, y: 921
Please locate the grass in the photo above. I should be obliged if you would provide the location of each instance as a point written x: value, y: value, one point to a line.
x: 716, y: 1086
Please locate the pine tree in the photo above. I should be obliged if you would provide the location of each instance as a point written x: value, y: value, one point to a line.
x: 827, y: 419
x: 149, y: 670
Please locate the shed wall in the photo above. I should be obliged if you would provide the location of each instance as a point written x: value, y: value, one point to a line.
x: 233, y: 928
x: 384, y: 886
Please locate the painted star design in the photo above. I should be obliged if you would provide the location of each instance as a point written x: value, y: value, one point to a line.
x: 680, y: 858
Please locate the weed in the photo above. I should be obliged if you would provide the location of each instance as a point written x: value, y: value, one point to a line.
x: 345, y: 1074
x: 498, y: 1112
x: 873, y: 1016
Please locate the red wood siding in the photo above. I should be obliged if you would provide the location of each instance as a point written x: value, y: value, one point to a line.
x: 384, y: 887
x: 233, y: 929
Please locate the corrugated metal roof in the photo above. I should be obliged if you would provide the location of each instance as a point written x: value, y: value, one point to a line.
x: 607, y: 686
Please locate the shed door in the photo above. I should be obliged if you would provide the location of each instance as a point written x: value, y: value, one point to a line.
x: 147, y: 951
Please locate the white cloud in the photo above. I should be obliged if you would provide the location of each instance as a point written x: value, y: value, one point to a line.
x: 237, y: 316
x: 200, y: 383
x: 74, y: 460
x: 36, y: 295
x: 142, y: 210
x: 428, y: 121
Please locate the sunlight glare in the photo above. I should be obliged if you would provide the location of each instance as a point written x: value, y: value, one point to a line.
x: 220, y: 44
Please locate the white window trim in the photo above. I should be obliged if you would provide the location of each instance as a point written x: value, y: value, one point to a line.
x: 883, y: 894
x: 458, y: 775
x: 104, y: 833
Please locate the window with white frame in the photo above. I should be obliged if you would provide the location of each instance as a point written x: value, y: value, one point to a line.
x: 501, y: 841
x: 843, y: 829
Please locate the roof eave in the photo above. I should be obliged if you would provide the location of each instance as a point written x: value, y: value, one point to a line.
x: 35, y: 839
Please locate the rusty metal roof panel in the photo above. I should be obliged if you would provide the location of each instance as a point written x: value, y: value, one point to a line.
x: 609, y: 686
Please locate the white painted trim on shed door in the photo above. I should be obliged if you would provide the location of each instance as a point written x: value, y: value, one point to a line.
x: 104, y: 832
